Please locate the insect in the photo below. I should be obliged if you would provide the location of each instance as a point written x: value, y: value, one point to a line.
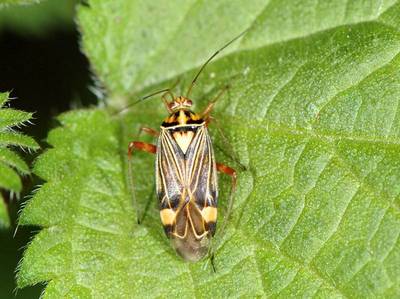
x: 186, y: 172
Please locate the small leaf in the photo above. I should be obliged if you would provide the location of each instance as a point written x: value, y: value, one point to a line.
x: 9, y: 179
x: 18, y: 139
x: 11, y: 117
x: 9, y: 157
x: 10, y: 162
x: 312, y: 111
x: 4, y: 218
x: 4, y: 98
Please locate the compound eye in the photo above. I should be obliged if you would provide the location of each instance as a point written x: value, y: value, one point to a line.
x: 189, y: 103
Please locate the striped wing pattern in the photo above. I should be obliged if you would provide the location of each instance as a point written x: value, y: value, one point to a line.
x: 186, y: 183
x: 180, y: 177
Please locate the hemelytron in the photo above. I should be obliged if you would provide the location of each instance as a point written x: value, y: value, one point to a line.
x: 186, y: 172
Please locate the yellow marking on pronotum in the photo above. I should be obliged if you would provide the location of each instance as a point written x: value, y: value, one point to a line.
x: 182, y: 118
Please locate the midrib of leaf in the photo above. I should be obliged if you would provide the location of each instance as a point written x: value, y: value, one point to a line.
x: 291, y: 165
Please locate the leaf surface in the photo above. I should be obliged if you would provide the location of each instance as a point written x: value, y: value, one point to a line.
x: 312, y: 111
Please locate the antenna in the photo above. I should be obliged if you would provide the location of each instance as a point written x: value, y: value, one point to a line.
x: 142, y: 99
x: 211, y: 58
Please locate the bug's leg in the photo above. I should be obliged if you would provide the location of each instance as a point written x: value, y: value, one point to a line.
x: 228, y: 145
x: 137, y: 145
x: 232, y: 173
x: 212, y: 263
x: 154, y: 133
x: 206, y: 112
x: 210, y: 258
x: 165, y: 100
x: 149, y: 131
x: 168, y: 92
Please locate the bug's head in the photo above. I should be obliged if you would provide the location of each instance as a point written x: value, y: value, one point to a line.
x: 180, y: 103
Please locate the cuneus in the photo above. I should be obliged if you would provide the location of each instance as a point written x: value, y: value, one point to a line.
x: 186, y: 173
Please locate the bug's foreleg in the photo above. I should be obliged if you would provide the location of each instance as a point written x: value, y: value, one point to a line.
x: 211, y: 104
x: 148, y: 131
x: 165, y: 100
x: 137, y: 145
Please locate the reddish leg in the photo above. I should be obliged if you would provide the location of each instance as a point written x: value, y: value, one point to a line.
x: 210, y: 105
x: 148, y: 131
x: 137, y: 145
x: 143, y: 146
x: 232, y: 173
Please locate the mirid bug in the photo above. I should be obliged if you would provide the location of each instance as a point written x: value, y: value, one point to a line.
x: 186, y: 172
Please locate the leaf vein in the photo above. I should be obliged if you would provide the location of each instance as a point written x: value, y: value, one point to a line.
x: 336, y: 96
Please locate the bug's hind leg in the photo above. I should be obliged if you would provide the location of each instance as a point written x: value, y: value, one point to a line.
x: 146, y: 147
x: 232, y: 173
x: 214, y: 245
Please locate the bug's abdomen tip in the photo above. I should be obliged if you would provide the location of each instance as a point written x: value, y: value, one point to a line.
x: 191, y: 249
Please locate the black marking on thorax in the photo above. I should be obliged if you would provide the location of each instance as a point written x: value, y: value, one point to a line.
x: 190, y: 118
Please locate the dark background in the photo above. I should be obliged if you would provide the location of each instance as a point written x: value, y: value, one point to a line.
x: 43, y: 67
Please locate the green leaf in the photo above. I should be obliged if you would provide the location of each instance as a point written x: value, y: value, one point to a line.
x: 10, y: 162
x: 11, y: 117
x: 18, y: 139
x: 4, y: 218
x: 18, y: 2
x: 9, y: 179
x: 312, y: 111
x: 7, y: 156
x: 10, y: 254
x: 148, y: 42
x: 39, y: 18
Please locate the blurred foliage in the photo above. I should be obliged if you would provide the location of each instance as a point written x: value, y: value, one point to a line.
x: 4, y: 3
x: 37, y: 19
